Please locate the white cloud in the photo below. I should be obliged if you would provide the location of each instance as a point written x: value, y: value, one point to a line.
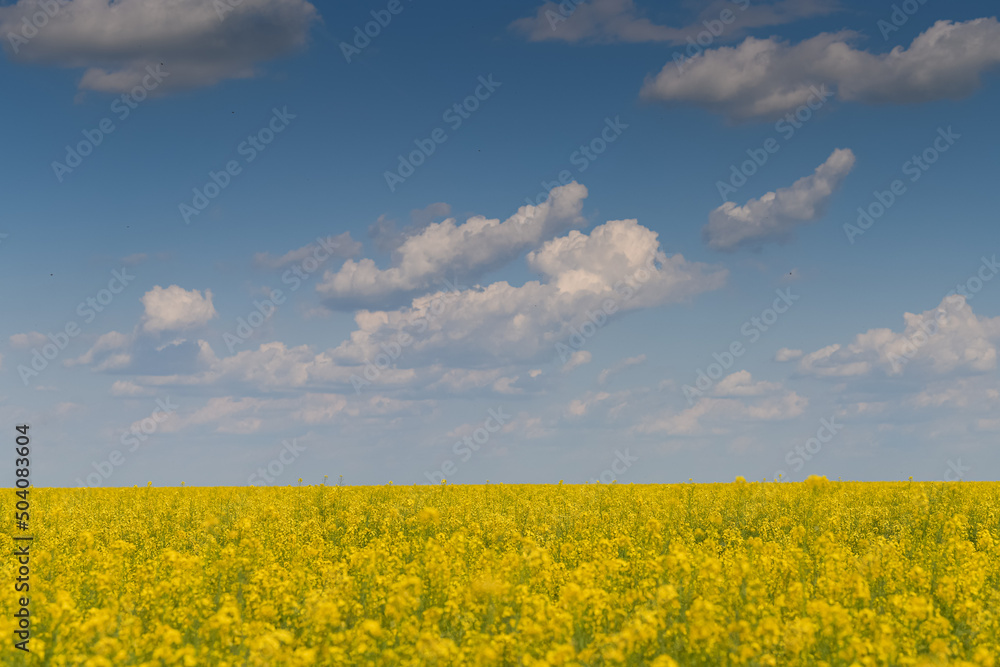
x: 117, y: 41
x: 978, y: 392
x: 30, y: 339
x: 127, y: 388
x: 168, y: 309
x: 787, y: 354
x: 768, y: 78
x: 482, y: 337
x: 717, y: 415
x: 482, y: 333
x: 773, y: 216
x: 113, y: 350
x: 741, y: 383
x: 580, y: 272
x: 578, y: 358
x: 446, y: 248
x: 174, y: 308
x: 607, y: 21
x: 948, y: 339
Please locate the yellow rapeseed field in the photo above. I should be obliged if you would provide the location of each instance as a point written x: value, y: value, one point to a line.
x: 815, y: 573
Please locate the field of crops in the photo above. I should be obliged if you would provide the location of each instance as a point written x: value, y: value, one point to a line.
x: 816, y: 573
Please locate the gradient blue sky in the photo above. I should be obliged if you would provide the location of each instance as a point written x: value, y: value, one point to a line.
x: 525, y: 286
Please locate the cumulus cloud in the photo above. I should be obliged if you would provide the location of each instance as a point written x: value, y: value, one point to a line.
x: 477, y: 337
x: 483, y: 339
x: 188, y: 39
x: 618, y: 262
x: 174, y: 309
x: 718, y: 414
x: 948, y: 339
x: 767, y: 78
x: 469, y: 249
x: 607, y: 21
x: 775, y: 215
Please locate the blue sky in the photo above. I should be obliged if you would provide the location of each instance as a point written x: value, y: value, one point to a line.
x: 162, y: 384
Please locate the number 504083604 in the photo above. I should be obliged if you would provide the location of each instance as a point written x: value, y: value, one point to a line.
x: 22, y: 471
